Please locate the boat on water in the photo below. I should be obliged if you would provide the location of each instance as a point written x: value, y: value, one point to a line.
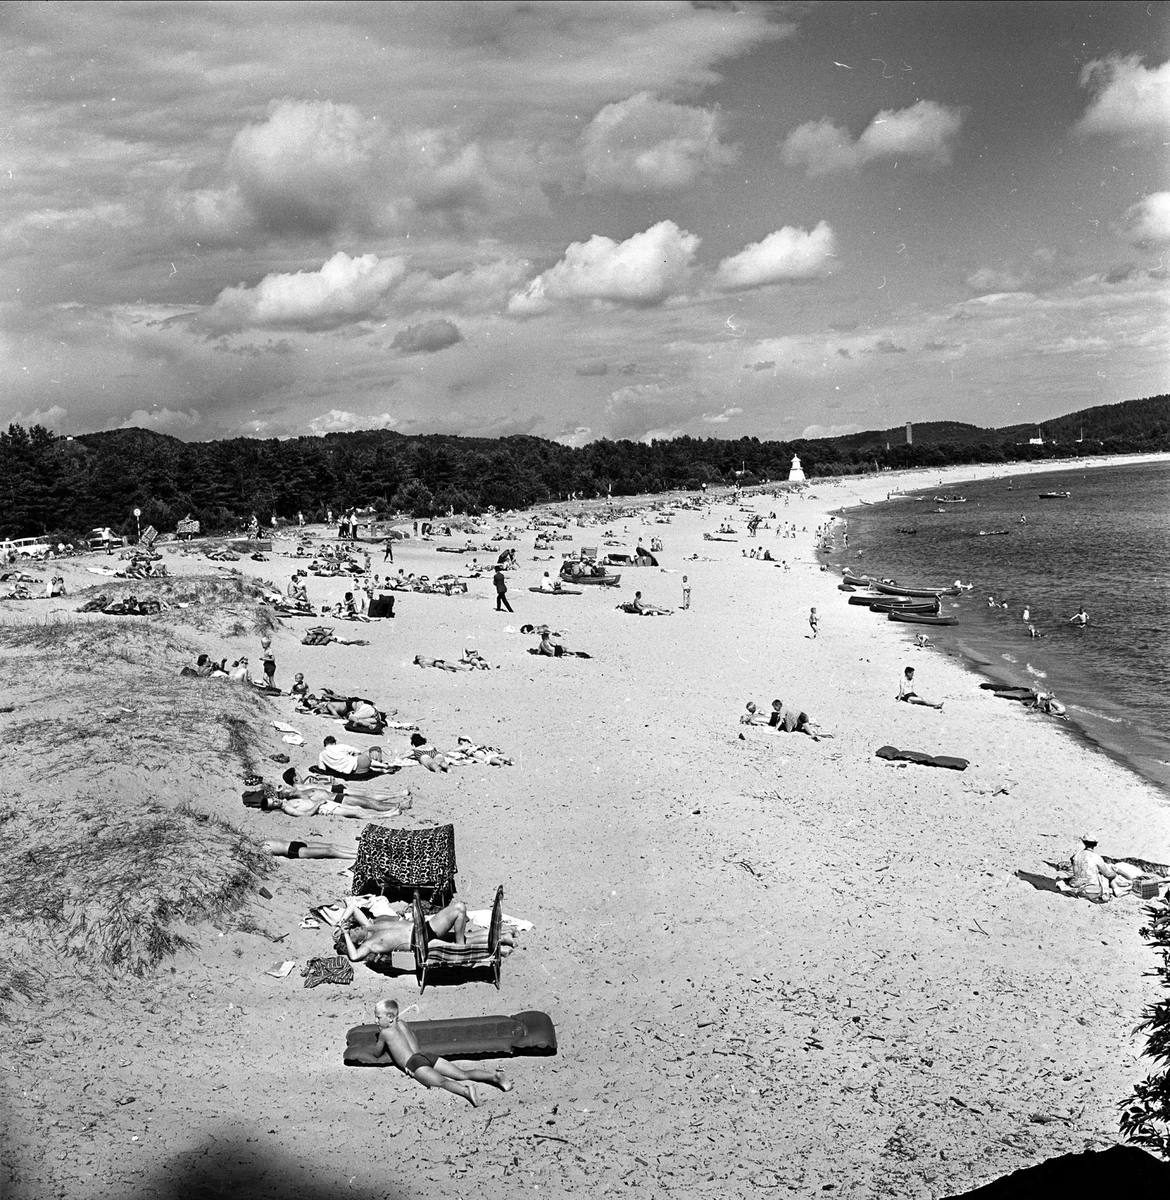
x: 993, y: 533
x: 887, y: 589
x: 1055, y: 495
x: 867, y: 598
x: 910, y: 606
x: 952, y: 499
x: 920, y: 618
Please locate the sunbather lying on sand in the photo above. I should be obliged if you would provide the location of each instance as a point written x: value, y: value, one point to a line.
x: 783, y: 719
x: 391, y: 931
x: 442, y: 663
x: 309, y: 800
x: 310, y: 850
x: 430, y: 757
x: 554, y: 649
x: 399, y: 1042
x: 338, y: 758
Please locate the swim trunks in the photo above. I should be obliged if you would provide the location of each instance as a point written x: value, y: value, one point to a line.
x: 295, y: 848
x: 419, y: 1060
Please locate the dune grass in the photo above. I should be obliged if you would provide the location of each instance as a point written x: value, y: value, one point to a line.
x: 103, y: 857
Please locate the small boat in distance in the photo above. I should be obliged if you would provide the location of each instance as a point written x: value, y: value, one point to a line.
x: 952, y: 499
x: 993, y: 533
x: 1055, y: 495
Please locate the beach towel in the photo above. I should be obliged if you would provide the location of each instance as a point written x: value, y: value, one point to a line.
x: 927, y: 760
x: 461, y: 1037
x: 327, y: 970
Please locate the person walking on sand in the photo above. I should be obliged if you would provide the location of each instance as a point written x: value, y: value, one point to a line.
x: 388, y: 556
x: 501, y: 591
x: 814, y: 622
x: 907, y: 693
x: 397, y: 1039
x: 686, y: 603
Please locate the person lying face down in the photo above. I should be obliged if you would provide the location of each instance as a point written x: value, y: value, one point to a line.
x: 397, y: 1039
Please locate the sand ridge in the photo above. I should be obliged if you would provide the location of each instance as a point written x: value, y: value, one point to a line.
x: 827, y: 974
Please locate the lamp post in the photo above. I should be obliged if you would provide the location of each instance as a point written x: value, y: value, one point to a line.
x: 138, y: 522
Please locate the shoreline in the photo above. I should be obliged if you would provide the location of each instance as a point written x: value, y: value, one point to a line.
x: 1086, y: 729
x: 770, y: 961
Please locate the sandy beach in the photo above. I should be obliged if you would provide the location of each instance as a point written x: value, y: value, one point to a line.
x: 776, y: 965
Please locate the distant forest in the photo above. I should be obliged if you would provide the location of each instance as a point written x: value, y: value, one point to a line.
x: 63, y: 487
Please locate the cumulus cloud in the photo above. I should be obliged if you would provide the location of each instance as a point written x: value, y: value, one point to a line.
x: 721, y: 418
x: 643, y: 270
x: 51, y: 418
x: 1127, y: 97
x: 302, y: 169
x: 163, y: 420
x: 427, y: 338
x: 1147, y: 223
x: 594, y: 366
x: 645, y: 144
x: 338, y: 420
x: 925, y: 132
x: 787, y: 255
x: 344, y: 289
x: 574, y: 437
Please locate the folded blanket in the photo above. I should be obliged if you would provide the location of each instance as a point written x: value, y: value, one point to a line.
x: 927, y: 760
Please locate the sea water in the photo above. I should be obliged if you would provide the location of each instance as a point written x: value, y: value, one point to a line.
x: 1105, y: 547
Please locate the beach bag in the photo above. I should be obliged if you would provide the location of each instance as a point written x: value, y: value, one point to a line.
x: 382, y: 606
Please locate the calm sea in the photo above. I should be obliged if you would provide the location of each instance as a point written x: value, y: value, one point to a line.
x: 1106, y: 547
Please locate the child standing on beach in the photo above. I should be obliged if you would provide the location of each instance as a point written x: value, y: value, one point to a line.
x: 686, y: 593
x: 813, y: 622
x: 269, y: 661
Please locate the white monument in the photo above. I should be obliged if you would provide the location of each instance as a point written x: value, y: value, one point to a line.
x: 796, y: 473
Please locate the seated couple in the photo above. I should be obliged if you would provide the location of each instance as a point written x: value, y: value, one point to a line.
x: 787, y: 720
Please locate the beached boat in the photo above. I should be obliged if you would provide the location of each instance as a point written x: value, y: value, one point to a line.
x: 592, y: 580
x: 905, y: 606
x: 856, y: 580
x: 920, y: 618
x: 868, y: 598
x: 888, y: 589
x: 1055, y: 495
x: 950, y: 499
x: 557, y: 591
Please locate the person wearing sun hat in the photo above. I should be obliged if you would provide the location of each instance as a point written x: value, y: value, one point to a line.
x: 1090, y: 873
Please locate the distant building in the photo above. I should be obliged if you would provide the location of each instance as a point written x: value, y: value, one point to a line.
x: 909, y: 434
x: 1038, y: 440
x: 796, y: 473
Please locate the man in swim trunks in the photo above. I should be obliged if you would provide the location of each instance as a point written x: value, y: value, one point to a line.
x: 398, y: 1041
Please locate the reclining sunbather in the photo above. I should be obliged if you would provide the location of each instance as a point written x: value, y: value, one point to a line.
x: 442, y: 663
x: 338, y: 758
x: 336, y: 800
x: 392, y: 930
x: 398, y: 1041
x: 310, y: 850
x: 555, y: 649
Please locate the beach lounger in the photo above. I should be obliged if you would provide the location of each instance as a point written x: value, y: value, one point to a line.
x: 431, y: 954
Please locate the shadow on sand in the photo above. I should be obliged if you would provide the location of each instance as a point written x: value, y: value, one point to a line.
x: 1120, y: 1170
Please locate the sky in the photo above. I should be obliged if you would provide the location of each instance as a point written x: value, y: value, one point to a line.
x: 580, y: 220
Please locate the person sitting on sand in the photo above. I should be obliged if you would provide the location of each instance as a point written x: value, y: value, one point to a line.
x: 906, y: 691
x: 350, y: 612
x: 790, y: 720
x: 299, y: 687
x: 398, y: 1041
x: 428, y: 755
x: 552, y: 649
x: 337, y: 758
x: 1088, y: 873
x: 546, y: 583
x: 639, y: 606
x: 239, y: 672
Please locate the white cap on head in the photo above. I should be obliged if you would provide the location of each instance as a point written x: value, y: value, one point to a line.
x: 1090, y: 837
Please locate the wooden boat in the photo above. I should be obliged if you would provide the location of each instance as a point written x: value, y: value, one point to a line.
x: 1055, y: 495
x: 560, y: 591
x: 856, y: 580
x: 868, y: 598
x: 888, y: 589
x: 920, y: 618
x: 953, y: 499
x: 592, y: 580
x: 906, y: 606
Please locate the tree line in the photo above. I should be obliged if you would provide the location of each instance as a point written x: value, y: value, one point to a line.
x: 64, y: 487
